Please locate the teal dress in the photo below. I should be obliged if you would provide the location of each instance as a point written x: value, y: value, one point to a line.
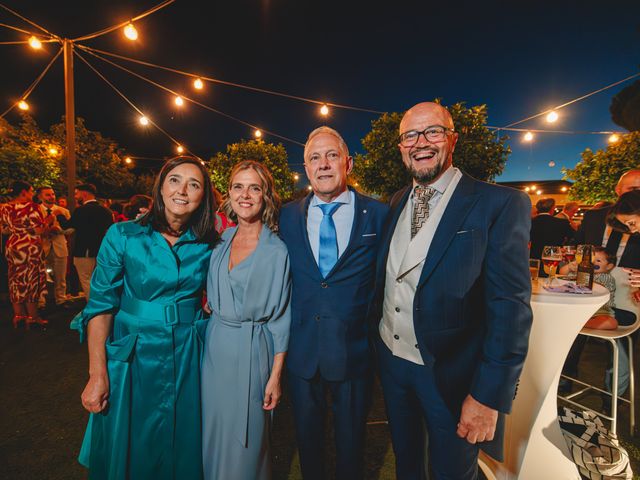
x: 152, y: 427
x: 250, y: 323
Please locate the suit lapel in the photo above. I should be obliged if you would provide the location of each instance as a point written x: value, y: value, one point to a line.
x: 304, y: 234
x: 392, y: 221
x: 461, y: 202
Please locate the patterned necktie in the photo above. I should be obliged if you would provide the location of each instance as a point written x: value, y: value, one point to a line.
x: 328, y: 251
x: 421, y: 197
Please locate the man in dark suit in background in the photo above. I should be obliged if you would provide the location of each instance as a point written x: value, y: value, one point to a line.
x: 332, y: 236
x: 452, y: 304
x: 90, y: 221
x: 548, y: 230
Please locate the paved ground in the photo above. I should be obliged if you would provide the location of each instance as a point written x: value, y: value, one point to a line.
x: 42, y: 374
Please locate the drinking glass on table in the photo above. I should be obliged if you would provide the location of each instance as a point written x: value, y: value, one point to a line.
x: 534, y: 268
x: 579, y: 250
x: 551, y: 258
x: 568, y: 256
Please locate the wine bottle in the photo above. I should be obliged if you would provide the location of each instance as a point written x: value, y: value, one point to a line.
x: 585, y: 269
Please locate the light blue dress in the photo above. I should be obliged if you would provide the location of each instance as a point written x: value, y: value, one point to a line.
x: 249, y: 324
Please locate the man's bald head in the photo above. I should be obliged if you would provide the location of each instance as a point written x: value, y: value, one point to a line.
x: 434, y: 111
x: 628, y: 182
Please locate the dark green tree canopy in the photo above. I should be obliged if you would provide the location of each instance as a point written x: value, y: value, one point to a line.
x: 597, y: 173
x: 274, y: 157
x: 625, y: 107
x: 479, y: 151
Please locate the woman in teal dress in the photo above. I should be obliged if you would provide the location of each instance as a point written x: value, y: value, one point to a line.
x: 144, y: 326
x: 248, y: 291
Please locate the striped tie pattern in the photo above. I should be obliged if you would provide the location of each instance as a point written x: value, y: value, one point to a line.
x: 421, y: 197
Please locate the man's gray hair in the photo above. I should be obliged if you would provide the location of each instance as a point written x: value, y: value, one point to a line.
x: 329, y: 131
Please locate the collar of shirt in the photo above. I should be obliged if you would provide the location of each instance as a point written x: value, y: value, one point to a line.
x: 344, y: 197
x: 440, y: 185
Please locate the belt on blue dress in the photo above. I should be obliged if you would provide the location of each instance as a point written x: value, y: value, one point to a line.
x: 249, y: 330
x: 172, y: 313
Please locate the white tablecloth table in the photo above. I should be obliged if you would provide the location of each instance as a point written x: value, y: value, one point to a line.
x: 534, y: 446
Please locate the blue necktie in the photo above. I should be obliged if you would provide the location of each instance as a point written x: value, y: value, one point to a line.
x: 328, y: 251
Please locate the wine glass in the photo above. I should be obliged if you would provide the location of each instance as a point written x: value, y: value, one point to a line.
x: 579, y: 251
x: 551, y: 258
x: 568, y: 256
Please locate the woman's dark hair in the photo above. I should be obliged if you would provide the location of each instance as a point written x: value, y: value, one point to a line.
x: 18, y: 187
x: 627, y: 204
x: 202, y: 221
x: 135, y: 203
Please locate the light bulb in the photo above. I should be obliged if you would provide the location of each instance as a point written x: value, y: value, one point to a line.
x: 614, y: 138
x: 324, y: 110
x: 130, y: 32
x: 128, y: 160
x: 528, y: 137
x: 552, y: 117
x: 257, y: 133
x: 179, y: 101
x: 197, y: 84
x: 180, y: 149
x: 22, y: 105
x: 53, y: 150
x: 144, y: 120
x: 35, y: 43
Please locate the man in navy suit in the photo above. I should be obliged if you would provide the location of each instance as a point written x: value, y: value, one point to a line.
x: 332, y: 236
x: 452, y: 304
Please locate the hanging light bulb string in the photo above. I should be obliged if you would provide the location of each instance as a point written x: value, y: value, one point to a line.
x: 33, y: 85
x: 571, y: 101
x: 104, y: 31
x: 192, y: 100
x: 233, y: 84
x: 565, y: 132
x: 30, y: 22
x: 132, y: 105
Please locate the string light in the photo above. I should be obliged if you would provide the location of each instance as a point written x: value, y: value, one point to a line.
x: 35, y: 43
x: 180, y: 149
x: 528, y: 137
x: 128, y: 160
x: 527, y: 189
x: 296, y: 177
x: 197, y: 84
x: 144, y: 120
x: 552, y: 164
x: 533, y: 187
x: 563, y: 189
x: 22, y: 105
x: 552, y: 117
x: 614, y: 138
x: 179, y: 101
x: 53, y: 151
x: 130, y: 32
x: 257, y: 133
x: 539, y: 192
x: 309, y: 187
x: 324, y: 110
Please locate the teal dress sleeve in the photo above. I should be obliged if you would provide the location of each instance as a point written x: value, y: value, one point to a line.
x: 280, y: 322
x: 106, y: 282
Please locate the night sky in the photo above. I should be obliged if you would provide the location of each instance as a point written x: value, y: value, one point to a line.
x: 519, y: 58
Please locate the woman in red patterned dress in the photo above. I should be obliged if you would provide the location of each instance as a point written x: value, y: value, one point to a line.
x: 25, y: 221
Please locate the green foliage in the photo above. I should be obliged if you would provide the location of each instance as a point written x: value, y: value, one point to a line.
x: 625, y: 107
x: 479, y: 151
x: 597, y: 174
x: 24, y: 163
x: 274, y: 157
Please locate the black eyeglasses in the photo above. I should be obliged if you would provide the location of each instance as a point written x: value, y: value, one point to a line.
x: 434, y: 133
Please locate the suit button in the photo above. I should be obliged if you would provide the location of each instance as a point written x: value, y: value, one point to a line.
x: 417, y: 308
x: 317, y: 318
x: 416, y: 345
x: 399, y: 280
x: 397, y: 309
x: 396, y: 337
x: 324, y: 285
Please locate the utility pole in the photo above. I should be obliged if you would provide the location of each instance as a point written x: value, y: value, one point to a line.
x: 70, y: 117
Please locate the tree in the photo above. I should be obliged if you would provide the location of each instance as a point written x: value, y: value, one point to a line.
x: 479, y: 151
x: 98, y: 160
x: 597, y: 173
x: 274, y: 157
x: 625, y: 107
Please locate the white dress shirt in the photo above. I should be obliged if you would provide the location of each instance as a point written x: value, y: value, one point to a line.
x: 404, y: 267
x: 342, y: 218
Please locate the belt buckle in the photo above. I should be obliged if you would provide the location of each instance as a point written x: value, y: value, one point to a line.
x: 171, y: 314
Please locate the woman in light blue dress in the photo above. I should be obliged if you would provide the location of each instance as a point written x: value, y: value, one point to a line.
x: 248, y: 290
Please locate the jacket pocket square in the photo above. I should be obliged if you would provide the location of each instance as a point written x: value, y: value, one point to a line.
x: 369, y: 234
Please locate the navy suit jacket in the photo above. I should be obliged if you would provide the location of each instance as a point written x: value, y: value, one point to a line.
x: 329, y: 328
x: 471, y: 310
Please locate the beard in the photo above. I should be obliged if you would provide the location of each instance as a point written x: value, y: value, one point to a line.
x: 426, y: 175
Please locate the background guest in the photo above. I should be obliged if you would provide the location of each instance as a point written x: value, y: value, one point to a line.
x: 567, y: 213
x: 90, y: 220
x: 25, y: 221
x: 249, y: 291
x: 548, y: 230
x: 54, y: 243
x: 137, y: 206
